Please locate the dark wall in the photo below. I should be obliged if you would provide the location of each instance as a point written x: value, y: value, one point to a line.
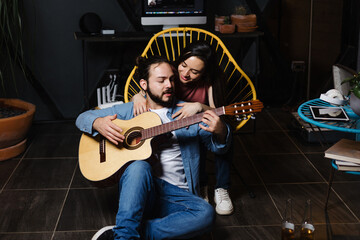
x: 56, y: 61
x: 55, y: 57
x: 335, y: 30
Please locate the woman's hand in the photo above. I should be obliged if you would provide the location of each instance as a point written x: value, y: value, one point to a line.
x: 139, y: 104
x: 188, y: 109
x: 108, y: 129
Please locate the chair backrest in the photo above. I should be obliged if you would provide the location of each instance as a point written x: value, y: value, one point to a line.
x: 171, y: 41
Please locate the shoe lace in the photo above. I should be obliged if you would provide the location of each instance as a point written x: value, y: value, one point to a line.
x: 223, y: 194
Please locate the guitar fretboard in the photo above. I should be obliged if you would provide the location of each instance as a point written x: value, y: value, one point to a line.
x: 177, y: 124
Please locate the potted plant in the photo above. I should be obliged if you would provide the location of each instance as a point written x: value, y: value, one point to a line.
x: 13, y: 129
x: 219, y: 20
x: 15, y: 121
x: 354, y: 83
x: 243, y: 21
x: 12, y: 58
x: 227, y: 27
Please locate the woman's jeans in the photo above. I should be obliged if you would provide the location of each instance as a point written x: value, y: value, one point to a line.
x: 222, y: 168
x: 150, y: 208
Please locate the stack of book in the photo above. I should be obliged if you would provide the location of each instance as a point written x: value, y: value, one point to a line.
x: 346, y: 154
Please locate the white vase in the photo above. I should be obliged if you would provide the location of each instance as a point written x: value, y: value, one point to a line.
x: 355, y: 104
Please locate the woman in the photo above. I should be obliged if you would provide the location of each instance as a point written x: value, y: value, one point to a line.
x: 199, y: 83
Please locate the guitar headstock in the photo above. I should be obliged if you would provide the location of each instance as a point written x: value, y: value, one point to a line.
x: 243, y: 109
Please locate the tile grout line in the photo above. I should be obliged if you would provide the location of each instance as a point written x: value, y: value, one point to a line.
x: 49, y: 158
x: 257, y: 172
x: 297, y: 147
x: 16, y: 167
x: 279, y: 154
x: 73, y: 231
x: 45, y: 189
x: 312, y: 165
x: 277, y: 225
x: 261, y: 179
x: 63, y: 204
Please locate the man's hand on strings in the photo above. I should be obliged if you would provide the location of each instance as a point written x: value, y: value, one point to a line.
x: 108, y: 129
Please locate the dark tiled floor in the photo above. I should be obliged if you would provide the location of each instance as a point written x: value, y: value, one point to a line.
x: 44, y: 196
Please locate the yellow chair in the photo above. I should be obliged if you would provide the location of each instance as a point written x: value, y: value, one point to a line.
x: 171, y: 41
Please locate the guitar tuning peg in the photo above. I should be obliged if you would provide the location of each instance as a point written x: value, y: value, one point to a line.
x: 253, y: 116
x: 240, y: 118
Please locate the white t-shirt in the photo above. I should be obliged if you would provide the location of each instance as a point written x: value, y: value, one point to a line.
x: 170, y: 167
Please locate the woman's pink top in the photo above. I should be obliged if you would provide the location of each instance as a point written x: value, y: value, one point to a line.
x: 194, y: 92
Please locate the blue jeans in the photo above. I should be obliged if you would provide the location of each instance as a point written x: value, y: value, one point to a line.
x: 150, y: 208
x: 222, y: 168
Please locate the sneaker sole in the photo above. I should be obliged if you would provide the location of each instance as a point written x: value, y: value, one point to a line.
x: 224, y: 212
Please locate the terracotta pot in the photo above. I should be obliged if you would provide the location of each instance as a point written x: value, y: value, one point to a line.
x: 244, y: 23
x: 355, y: 104
x: 245, y: 20
x: 13, y: 130
x: 219, y: 21
x: 227, y: 28
x: 245, y: 29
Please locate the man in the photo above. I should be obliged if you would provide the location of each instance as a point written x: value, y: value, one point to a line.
x: 158, y: 198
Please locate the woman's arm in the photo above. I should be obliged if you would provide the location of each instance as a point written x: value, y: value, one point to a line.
x: 191, y: 108
x: 211, y: 98
x: 139, y: 101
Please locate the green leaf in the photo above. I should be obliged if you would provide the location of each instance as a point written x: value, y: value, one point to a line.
x: 11, y: 47
x: 356, y: 91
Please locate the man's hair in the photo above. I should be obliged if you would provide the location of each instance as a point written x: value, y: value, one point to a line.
x: 143, y: 65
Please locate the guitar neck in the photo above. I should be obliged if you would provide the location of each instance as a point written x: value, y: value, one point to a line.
x: 177, y: 124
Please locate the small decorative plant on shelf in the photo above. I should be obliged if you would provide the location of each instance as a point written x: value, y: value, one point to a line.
x: 354, y: 83
x: 219, y: 20
x: 240, y: 10
x: 243, y: 21
x: 227, y: 26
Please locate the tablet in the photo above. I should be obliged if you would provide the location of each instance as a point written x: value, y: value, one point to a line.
x: 329, y: 113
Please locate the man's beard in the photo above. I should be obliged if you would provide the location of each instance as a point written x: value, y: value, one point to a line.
x: 158, y: 99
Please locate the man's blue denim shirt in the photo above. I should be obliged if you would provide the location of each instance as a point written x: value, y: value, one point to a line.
x: 188, y: 138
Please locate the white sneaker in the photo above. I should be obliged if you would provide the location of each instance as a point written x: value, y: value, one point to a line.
x: 204, y: 193
x: 223, y: 202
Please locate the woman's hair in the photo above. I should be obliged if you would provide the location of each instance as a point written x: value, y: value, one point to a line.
x: 212, y: 74
x: 203, y: 51
x: 143, y: 64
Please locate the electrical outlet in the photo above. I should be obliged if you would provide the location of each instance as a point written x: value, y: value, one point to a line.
x: 298, y: 66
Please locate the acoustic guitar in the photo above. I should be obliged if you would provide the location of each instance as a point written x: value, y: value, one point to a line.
x: 100, y: 159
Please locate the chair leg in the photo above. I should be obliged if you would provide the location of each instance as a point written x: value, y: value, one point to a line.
x: 332, y: 173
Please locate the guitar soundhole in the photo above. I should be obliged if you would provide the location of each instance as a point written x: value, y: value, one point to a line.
x: 133, y: 138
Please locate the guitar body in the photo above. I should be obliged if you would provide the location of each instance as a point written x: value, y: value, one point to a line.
x: 101, y: 160
x: 96, y: 168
